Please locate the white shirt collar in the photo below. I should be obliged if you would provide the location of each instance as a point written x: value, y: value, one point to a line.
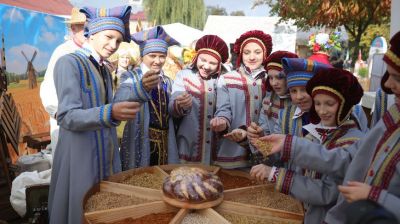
x: 297, y: 113
x: 93, y: 52
x: 311, y: 128
x: 284, y: 96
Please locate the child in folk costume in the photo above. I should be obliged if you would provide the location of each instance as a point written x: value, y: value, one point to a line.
x: 334, y: 93
x: 277, y: 96
x: 239, y: 96
x: 150, y: 138
x: 193, y: 101
x: 294, y: 117
x: 87, y: 148
x: 370, y: 167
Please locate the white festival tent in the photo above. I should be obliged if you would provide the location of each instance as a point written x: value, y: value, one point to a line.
x: 184, y: 34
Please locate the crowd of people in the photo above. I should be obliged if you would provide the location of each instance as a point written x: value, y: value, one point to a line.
x: 323, y: 152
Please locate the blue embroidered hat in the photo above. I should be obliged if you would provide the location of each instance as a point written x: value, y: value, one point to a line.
x: 298, y: 71
x: 99, y: 19
x: 153, y: 40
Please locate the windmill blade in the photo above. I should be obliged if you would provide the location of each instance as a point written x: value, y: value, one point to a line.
x: 25, y: 56
x: 34, y: 55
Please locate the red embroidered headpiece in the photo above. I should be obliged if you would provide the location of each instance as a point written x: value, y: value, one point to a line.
x: 214, y: 46
x: 392, y: 58
x: 253, y: 36
x: 341, y: 85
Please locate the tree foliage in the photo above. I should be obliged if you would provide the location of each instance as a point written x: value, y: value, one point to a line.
x: 237, y: 13
x: 189, y: 12
x: 355, y: 15
x: 216, y: 10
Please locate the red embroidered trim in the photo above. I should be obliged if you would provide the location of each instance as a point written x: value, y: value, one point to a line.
x: 287, y: 145
x: 287, y: 182
x: 247, y: 99
x: 390, y: 126
x: 389, y: 171
x: 374, y: 193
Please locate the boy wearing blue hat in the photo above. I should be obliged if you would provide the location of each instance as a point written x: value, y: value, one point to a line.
x: 87, y: 148
x: 150, y: 138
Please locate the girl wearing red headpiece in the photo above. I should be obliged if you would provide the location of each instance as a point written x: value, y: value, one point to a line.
x: 193, y: 101
x: 239, y: 96
x: 277, y: 96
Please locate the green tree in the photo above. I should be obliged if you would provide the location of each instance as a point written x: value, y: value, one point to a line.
x: 216, y: 10
x: 370, y: 34
x: 237, y: 13
x: 355, y: 15
x: 189, y: 12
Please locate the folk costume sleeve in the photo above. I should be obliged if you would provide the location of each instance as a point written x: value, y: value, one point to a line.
x: 71, y: 115
x: 302, y: 151
x: 223, y: 103
x: 131, y: 88
x: 178, y: 88
x: 317, y: 192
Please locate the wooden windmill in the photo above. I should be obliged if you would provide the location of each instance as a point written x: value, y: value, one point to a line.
x: 30, y: 71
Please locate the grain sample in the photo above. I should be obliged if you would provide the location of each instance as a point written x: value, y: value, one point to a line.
x: 149, y: 180
x: 161, y: 218
x: 231, y: 182
x: 196, y: 218
x: 268, y: 199
x: 264, y: 147
x: 241, y: 219
x: 109, y: 200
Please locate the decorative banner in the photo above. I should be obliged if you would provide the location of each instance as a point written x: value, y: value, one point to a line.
x: 26, y: 32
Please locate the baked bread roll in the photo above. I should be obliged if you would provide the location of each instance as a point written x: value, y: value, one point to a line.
x: 193, y: 185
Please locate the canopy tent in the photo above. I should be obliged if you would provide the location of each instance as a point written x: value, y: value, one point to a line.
x: 184, y: 34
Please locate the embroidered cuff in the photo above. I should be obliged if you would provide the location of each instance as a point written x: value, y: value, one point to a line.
x: 287, y: 148
x: 105, y: 116
x: 273, y: 174
x: 284, y: 180
x: 374, y: 193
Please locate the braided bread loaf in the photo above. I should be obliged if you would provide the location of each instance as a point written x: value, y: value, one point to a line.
x: 193, y: 185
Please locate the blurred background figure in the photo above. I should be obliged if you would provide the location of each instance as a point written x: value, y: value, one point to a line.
x: 125, y: 59
x: 48, y: 93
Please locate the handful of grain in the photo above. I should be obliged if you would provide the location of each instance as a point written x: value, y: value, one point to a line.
x: 263, y: 146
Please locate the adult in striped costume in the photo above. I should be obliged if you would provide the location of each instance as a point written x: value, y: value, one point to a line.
x: 149, y: 139
x: 87, y: 148
x: 193, y: 101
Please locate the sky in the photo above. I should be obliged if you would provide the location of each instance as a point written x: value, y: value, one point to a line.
x: 28, y: 31
x: 229, y: 5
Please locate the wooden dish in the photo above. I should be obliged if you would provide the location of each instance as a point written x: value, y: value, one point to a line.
x: 186, y: 205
